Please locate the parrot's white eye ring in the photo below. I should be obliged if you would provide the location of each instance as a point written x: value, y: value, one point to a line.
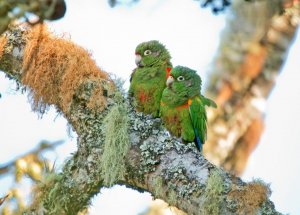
x: 180, y: 78
x: 147, y: 52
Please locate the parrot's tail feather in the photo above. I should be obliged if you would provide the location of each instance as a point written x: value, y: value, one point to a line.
x: 198, y: 141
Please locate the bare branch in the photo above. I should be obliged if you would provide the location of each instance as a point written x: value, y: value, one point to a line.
x: 43, y: 146
x: 2, y: 200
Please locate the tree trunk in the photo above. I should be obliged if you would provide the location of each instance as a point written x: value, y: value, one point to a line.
x: 253, y: 47
x: 116, y: 145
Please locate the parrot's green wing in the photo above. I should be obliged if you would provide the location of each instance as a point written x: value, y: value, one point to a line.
x: 132, y: 74
x: 208, y: 102
x: 199, y: 120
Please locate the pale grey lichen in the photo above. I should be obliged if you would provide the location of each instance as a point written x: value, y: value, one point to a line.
x: 177, y: 179
x: 11, y: 60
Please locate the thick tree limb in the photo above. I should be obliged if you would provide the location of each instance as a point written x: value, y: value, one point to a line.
x: 154, y: 162
x: 252, y: 50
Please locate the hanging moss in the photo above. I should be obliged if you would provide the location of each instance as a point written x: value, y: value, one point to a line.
x: 213, y: 194
x: 116, y: 143
x: 54, y: 68
x: 48, y: 184
x: 250, y: 198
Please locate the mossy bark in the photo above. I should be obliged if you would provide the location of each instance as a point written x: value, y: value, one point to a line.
x: 185, y: 178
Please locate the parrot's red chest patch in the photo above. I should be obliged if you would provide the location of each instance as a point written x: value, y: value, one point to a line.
x: 173, y: 124
x: 142, y: 97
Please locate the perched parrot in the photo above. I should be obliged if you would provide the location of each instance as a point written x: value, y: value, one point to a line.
x: 148, y: 79
x: 183, y: 107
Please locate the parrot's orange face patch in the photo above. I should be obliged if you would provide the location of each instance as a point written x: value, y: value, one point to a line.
x: 185, y: 106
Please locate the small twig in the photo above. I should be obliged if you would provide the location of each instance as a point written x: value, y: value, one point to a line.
x: 3, y: 199
x: 4, y: 168
x: 51, y: 10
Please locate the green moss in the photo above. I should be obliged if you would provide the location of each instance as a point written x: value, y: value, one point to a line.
x: 158, y: 187
x: 213, y: 194
x: 268, y: 208
x: 48, y: 184
x: 52, y: 196
x: 58, y: 198
x: 116, y: 143
x: 172, y: 197
x: 54, y: 201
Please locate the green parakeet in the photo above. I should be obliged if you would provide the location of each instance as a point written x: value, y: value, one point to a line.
x: 148, y: 79
x: 183, y: 107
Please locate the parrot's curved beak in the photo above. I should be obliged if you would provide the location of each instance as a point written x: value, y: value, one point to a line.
x: 138, y: 59
x: 170, y: 80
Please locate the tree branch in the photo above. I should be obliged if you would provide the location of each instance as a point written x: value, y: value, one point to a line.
x: 153, y: 161
x: 43, y: 146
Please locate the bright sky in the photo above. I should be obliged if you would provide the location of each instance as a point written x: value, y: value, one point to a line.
x: 191, y: 34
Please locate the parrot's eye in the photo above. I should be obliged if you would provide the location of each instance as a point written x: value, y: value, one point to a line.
x: 180, y: 78
x: 147, y: 52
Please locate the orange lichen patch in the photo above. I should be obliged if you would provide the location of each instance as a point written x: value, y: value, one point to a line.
x: 3, y: 42
x: 55, y: 68
x: 250, y: 197
x: 254, y: 61
x: 238, y: 160
x: 290, y: 3
x: 253, y: 134
x: 225, y: 93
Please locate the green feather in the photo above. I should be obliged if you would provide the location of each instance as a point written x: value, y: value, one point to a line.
x: 208, y: 102
x: 148, y: 80
x: 183, y: 107
x: 198, y: 116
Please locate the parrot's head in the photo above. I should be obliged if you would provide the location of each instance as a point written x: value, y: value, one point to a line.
x: 183, y: 79
x: 151, y: 53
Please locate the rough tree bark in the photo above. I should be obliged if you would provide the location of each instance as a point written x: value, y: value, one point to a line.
x: 154, y: 161
x: 253, y: 48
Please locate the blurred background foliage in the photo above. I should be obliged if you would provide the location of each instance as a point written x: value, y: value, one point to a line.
x: 31, y: 166
x: 36, y: 11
